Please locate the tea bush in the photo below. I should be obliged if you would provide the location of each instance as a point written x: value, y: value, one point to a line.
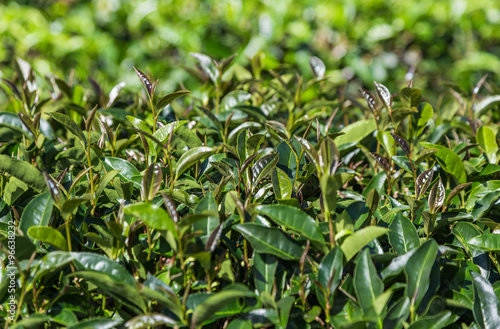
x: 261, y: 199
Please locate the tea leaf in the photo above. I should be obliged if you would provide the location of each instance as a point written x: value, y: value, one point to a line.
x: 317, y: 66
x: 270, y: 241
x: 418, y: 270
x: 423, y: 182
x: 367, y: 284
x: 146, y: 82
x: 69, y: 124
x: 48, y: 235
x: 370, y: 100
x: 151, y: 181
x: 263, y: 167
x: 402, y: 143
x: 37, y: 212
x: 190, y: 157
x: 436, y: 197
x: 486, y: 138
x: 293, y: 219
x: 384, y: 95
x: 456, y: 190
x: 356, y: 241
x: 382, y: 162
x: 282, y: 185
x: 486, y: 305
x: 167, y: 99
x: 152, y: 215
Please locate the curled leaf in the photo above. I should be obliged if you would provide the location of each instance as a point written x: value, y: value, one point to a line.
x: 456, y: 190
x: 402, y: 143
x: 382, y: 162
x: 145, y: 81
x: 370, y: 100
x: 171, y: 209
x: 423, y: 182
x: 384, y: 95
x: 436, y: 196
x: 151, y: 182
x: 317, y: 66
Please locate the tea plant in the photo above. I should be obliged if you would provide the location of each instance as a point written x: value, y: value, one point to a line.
x: 260, y: 200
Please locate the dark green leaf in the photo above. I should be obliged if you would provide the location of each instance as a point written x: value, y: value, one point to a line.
x: 69, y: 124
x: 418, y: 270
x: 37, y: 212
x: 367, y: 284
x: 486, y: 305
x: 23, y: 171
x: 165, y: 100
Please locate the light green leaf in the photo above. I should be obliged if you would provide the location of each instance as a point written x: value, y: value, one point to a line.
x: 294, y: 219
x: 152, y: 215
x: 356, y: 131
x: 48, y: 235
x: 486, y: 138
x: 190, y: 157
x: 356, y: 241
x: 37, y: 212
x: 127, y: 170
x: 270, y: 241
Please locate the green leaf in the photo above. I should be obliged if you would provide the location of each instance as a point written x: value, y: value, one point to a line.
x: 485, y: 242
x: 270, y: 241
x: 398, y: 313
x: 486, y: 104
x: 329, y: 186
x: 152, y: 215
x: 124, y: 292
x: 367, y: 284
x: 383, y: 94
x: 377, y: 182
x: 206, y: 309
x: 69, y: 124
x: 449, y: 161
x: 486, y: 138
x: 190, y: 157
x: 282, y: 185
x: 151, y: 181
x: 167, y: 99
x: 330, y: 273
x: 96, y: 323
x: 435, y: 321
x: 423, y: 182
x: 288, y: 160
x: 263, y: 167
x: 149, y: 320
x: 164, y: 132
x: 108, y: 177
x: 311, y: 152
x: 356, y: 241
x: 403, y: 235
x: 328, y: 156
x: 418, y: 270
x: 426, y: 113
x: 486, y: 305
x: 356, y: 131
x: 37, y: 212
x: 207, y: 66
x: 208, y: 223
x: 24, y: 172
x: 264, y: 271
x: 411, y: 97
x: 294, y: 219
x: 126, y: 169
x: 48, y: 235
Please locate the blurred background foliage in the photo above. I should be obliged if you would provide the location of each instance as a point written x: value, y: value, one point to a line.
x: 359, y: 40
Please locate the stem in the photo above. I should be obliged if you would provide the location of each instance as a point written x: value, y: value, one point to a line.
x: 149, y: 242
